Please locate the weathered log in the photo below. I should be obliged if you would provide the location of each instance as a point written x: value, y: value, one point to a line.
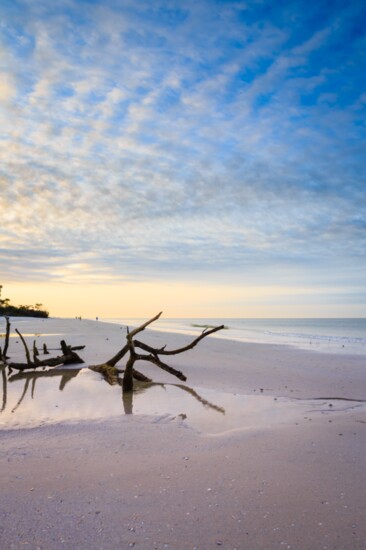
x: 70, y: 358
x: 111, y: 374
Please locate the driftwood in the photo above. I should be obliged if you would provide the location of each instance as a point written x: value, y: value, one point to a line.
x: 3, y: 353
x: 35, y: 351
x: 129, y: 373
x: 69, y: 357
x: 111, y: 374
x: 73, y: 348
x: 123, y: 377
x: 108, y: 370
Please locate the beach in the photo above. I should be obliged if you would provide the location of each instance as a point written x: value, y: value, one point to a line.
x: 262, y: 447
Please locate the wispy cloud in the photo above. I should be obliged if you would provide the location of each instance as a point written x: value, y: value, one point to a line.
x: 205, y: 140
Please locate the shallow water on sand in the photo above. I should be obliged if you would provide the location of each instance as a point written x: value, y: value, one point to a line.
x: 57, y: 395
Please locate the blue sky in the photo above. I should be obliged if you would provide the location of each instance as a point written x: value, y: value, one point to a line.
x: 198, y: 143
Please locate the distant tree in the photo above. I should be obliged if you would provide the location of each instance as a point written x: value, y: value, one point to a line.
x: 6, y: 308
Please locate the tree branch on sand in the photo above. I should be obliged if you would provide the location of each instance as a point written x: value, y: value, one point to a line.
x: 69, y: 357
x: 110, y: 371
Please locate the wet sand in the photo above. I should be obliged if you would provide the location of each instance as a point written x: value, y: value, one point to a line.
x: 160, y: 481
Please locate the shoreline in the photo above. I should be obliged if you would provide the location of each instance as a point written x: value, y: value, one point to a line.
x: 334, y: 337
x: 252, y: 365
x: 186, y: 335
x: 153, y: 481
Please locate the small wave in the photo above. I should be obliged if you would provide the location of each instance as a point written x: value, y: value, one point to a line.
x: 320, y: 337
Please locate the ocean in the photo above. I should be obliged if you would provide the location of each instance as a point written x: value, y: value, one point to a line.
x: 325, y: 335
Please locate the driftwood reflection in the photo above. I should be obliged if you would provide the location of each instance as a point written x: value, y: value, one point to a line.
x: 127, y: 398
x: 5, y: 388
x: 65, y: 374
x: 203, y: 401
x: 112, y: 376
x: 30, y: 379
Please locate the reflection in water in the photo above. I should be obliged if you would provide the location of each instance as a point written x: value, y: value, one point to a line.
x: 204, y: 402
x: 31, y: 399
x: 127, y: 399
x: 66, y: 376
x: 45, y: 399
x: 5, y: 388
x: 111, y: 375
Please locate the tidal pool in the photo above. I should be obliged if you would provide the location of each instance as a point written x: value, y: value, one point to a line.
x: 35, y: 398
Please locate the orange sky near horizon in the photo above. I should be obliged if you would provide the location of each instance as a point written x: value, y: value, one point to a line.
x: 176, y: 299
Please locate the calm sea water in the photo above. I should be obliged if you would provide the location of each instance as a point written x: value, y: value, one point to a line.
x: 335, y: 335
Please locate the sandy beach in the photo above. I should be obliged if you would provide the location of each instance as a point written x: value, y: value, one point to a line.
x: 263, y: 447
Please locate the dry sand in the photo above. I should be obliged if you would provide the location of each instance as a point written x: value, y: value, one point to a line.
x: 292, y: 480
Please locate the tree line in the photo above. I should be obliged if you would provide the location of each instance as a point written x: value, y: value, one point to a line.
x: 8, y: 309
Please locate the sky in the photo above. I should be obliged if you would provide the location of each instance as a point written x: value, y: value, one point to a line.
x: 204, y: 158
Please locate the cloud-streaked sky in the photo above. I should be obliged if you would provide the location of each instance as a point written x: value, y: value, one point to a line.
x: 213, y: 148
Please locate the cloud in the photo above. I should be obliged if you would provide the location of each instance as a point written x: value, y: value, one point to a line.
x: 153, y: 141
